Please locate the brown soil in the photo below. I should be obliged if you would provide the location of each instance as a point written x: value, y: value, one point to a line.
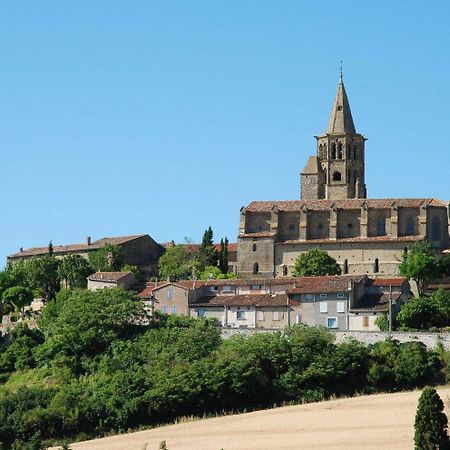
x: 383, y: 421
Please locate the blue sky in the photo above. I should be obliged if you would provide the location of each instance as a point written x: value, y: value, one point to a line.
x: 125, y: 117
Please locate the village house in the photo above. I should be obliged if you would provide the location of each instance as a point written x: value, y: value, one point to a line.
x: 100, y: 280
x: 138, y: 250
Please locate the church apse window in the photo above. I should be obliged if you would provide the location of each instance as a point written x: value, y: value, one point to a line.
x: 340, y: 150
x: 255, y: 268
x: 410, y: 227
x: 337, y: 176
x: 333, y: 150
x: 254, y: 247
x: 381, y: 226
x: 436, y: 229
x: 345, y: 268
x: 376, y: 266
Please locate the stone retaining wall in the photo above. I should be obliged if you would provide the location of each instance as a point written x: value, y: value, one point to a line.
x: 366, y: 337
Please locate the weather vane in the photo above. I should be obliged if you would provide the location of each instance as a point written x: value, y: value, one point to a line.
x: 341, y: 69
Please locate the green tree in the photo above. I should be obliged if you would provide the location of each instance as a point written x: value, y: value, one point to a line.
x: 214, y: 273
x: 444, y: 266
x: 420, y: 264
x: 431, y: 422
x: 43, y: 275
x: 19, y: 297
x: 223, y: 256
x: 108, y: 258
x: 73, y: 270
x: 207, y: 254
x: 315, y: 262
x: 382, y: 322
x: 176, y: 263
x: 135, y: 270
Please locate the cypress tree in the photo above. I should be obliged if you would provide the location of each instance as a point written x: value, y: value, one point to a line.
x: 50, y: 248
x: 431, y: 422
x: 225, y: 257
x: 207, y: 254
x: 221, y: 252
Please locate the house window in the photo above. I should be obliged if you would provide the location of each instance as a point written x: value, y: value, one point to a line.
x: 255, y: 287
x: 275, y: 315
x: 165, y: 309
x: 436, y: 229
x: 309, y: 296
x: 323, y: 307
x: 340, y: 307
x: 169, y: 294
x: 376, y: 266
x: 240, y: 314
x: 341, y: 296
x: 229, y: 289
x: 213, y: 288
x: 174, y: 309
x: 410, y: 226
x: 365, y: 321
x: 260, y: 316
x: 201, y: 312
x: 381, y: 226
x: 285, y: 270
x: 323, y: 295
x: 332, y: 322
x: 254, y: 247
x: 255, y: 268
x: 337, y: 176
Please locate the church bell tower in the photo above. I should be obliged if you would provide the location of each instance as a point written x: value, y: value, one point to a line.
x: 337, y: 172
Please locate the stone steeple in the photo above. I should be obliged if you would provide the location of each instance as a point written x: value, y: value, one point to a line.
x: 339, y: 164
x: 341, y: 120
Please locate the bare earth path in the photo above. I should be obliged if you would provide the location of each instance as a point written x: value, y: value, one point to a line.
x: 383, y: 421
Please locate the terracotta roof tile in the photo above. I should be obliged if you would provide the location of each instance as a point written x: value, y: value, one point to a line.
x: 351, y: 240
x: 243, y: 300
x: 375, y: 302
x: 328, y: 284
x: 399, y: 281
x: 109, y: 276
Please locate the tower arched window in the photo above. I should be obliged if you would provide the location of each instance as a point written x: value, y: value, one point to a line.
x: 436, y: 229
x: 337, y: 176
x: 321, y: 151
x: 381, y: 226
x: 255, y: 268
x: 410, y: 227
x: 376, y: 266
x: 340, y: 150
x: 345, y: 268
x: 349, y: 176
x: 333, y: 150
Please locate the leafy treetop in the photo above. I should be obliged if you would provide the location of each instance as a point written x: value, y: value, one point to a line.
x: 315, y: 262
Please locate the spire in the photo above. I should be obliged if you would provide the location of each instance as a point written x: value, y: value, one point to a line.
x: 341, y: 120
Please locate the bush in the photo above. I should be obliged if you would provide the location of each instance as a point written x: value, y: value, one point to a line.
x: 431, y: 422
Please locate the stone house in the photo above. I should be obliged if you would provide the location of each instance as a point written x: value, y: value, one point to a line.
x: 138, y: 250
x: 100, y: 280
x: 365, y: 236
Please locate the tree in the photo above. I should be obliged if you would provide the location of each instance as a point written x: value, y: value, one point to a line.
x: 214, y: 273
x: 18, y: 297
x: 223, y: 256
x: 73, y: 270
x: 420, y: 264
x: 50, y: 248
x: 108, y: 258
x: 176, y: 263
x: 207, y: 254
x: 43, y: 275
x: 315, y: 262
x: 431, y: 422
x: 444, y: 266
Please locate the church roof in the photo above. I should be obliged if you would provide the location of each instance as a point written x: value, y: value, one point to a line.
x: 341, y: 120
x: 312, y: 166
x: 325, y: 205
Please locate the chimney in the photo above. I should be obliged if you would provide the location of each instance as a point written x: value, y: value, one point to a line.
x: 88, y: 240
x: 21, y: 249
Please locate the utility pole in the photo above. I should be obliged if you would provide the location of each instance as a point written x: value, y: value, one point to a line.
x: 390, y: 309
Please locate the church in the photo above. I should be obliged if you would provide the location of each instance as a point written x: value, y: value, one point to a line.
x: 365, y: 236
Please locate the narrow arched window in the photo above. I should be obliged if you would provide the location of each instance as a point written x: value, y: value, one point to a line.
x: 345, y: 268
x: 254, y: 247
x: 381, y: 226
x: 325, y: 154
x: 436, y: 229
x: 355, y: 152
x: 376, y: 266
x: 337, y: 176
x: 340, y: 150
x: 410, y: 226
x: 333, y: 150
x: 349, y: 155
x: 285, y: 270
x: 255, y: 268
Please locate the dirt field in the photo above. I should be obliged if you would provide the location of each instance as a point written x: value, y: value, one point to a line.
x: 384, y: 421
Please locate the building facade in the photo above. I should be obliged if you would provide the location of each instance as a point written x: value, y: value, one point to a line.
x: 365, y: 236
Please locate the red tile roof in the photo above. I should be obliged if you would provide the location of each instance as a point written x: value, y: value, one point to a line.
x: 399, y: 281
x: 243, y: 300
x: 328, y: 284
x: 109, y: 276
x: 321, y: 205
x: 350, y: 240
x: 72, y: 248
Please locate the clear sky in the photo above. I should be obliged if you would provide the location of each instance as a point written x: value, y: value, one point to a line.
x: 164, y: 117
